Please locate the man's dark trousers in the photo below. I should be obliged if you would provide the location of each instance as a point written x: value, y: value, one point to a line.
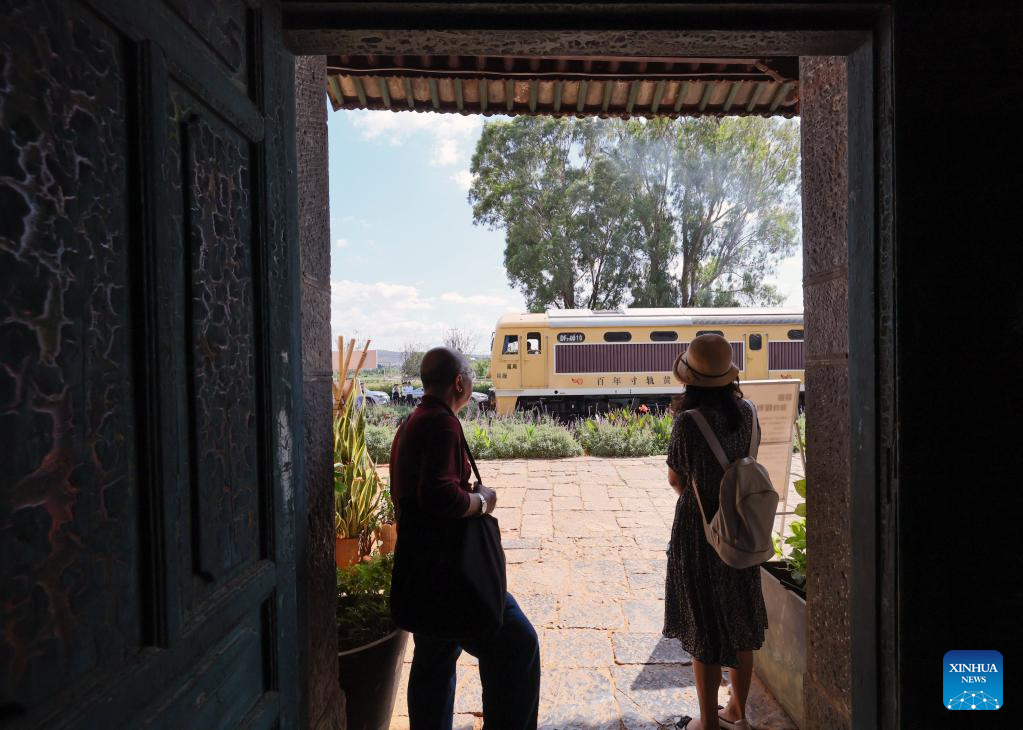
x: 509, y: 673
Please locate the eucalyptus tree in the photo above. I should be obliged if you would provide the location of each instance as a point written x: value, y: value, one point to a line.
x: 569, y: 232
x: 601, y: 213
x: 719, y: 203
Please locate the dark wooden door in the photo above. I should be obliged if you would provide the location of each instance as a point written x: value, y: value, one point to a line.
x: 148, y: 363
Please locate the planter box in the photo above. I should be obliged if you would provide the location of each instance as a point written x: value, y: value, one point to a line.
x: 369, y: 675
x: 781, y: 661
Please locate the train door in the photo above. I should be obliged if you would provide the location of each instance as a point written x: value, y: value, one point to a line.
x: 534, y: 361
x: 508, y: 373
x: 755, y: 356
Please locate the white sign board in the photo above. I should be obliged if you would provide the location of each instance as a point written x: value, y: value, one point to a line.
x: 777, y: 403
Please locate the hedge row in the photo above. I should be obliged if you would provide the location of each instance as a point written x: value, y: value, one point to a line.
x: 525, y: 436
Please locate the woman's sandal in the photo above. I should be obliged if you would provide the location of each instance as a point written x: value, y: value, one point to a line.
x: 733, y: 724
x: 683, y: 722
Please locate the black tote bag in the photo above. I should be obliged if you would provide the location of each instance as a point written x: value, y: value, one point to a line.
x: 453, y: 587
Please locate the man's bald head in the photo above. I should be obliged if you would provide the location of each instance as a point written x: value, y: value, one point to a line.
x: 440, y: 367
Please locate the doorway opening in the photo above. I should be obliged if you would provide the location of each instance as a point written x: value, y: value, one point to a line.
x: 842, y: 378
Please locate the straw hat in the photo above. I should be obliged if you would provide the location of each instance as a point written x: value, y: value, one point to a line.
x: 707, y: 362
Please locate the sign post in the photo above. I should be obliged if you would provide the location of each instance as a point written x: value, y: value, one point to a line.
x: 777, y: 403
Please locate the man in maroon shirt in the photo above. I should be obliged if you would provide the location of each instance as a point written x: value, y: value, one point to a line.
x: 430, y: 484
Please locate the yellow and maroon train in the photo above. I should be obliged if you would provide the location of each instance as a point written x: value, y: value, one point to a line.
x: 570, y: 361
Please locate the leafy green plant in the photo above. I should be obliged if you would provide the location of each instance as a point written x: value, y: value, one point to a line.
x: 378, y: 442
x: 385, y: 513
x: 357, y: 485
x: 481, y: 368
x: 796, y: 558
x: 521, y: 436
x: 363, y: 602
x: 800, y: 485
x: 624, y: 433
x: 386, y: 415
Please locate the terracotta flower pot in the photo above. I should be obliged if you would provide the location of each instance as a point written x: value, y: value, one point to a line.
x: 388, y: 535
x: 346, y: 551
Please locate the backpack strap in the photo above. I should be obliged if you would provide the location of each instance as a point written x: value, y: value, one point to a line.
x: 754, y: 434
x: 712, y: 440
x: 715, y: 446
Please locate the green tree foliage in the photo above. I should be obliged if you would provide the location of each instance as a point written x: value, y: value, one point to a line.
x: 411, y: 360
x: 601, y: 213
x: 570, y: 232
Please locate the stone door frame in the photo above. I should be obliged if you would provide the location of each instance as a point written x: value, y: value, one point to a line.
x: 862, y: 37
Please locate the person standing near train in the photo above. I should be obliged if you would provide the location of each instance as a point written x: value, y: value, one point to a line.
x: 716, y: 611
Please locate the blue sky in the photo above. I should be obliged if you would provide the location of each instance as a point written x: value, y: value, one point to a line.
x: 407, y: 263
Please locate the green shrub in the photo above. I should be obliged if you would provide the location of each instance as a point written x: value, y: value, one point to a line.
x: 494, y: 438
x: 600, y: 438
x: 363, y: 602
x: 623, y: 433
x: 386, y: 415
x: 378, y: 442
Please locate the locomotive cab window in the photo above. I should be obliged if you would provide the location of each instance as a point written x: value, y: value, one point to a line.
x: 533, y: 343
x: 511, y: 345
x: 663, y: 336
x: 617, y: 336
x: 756, y: 342
x: 795, y: 334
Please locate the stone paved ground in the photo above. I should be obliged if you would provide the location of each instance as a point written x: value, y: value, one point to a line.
x: 585, y: 540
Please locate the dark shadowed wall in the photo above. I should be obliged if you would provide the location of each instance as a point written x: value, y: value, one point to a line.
x: 959, y: 319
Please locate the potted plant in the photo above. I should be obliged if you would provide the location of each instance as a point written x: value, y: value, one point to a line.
x: 781, y: 661
x: 370, y: 647
x: 357, y: 486
x: 387, y: 531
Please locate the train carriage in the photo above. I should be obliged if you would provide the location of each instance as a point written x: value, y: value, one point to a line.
x: 569, y: 361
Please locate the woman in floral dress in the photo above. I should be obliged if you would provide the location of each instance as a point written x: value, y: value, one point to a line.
x: 716, y: 611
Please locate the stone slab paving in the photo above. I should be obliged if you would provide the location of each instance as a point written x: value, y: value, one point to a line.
x: 585, y: 540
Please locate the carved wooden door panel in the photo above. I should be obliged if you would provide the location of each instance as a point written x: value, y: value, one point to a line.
x: 148, y: 363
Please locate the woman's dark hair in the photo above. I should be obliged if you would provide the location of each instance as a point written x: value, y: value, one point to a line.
x: 724, y: 399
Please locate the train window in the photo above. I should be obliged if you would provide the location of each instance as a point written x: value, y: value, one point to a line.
x: 533, y: 343
x: 663, y: 336
x: 756, y: 342
x: 511, y: 345
x: 709, y: 332
x: 795, y: 334
x: 617, y: 336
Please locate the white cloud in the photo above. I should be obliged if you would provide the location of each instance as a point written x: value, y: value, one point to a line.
x: 445, y: 153
x: 463, y: 179
x: 353, y: 220
x: 477, y: 299
x: 451, y: 136
x: 397, y: 296
x: 341, y: 243
x: 391, y: 314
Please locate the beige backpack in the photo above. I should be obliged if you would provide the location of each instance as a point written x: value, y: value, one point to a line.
x: 740, y: 532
